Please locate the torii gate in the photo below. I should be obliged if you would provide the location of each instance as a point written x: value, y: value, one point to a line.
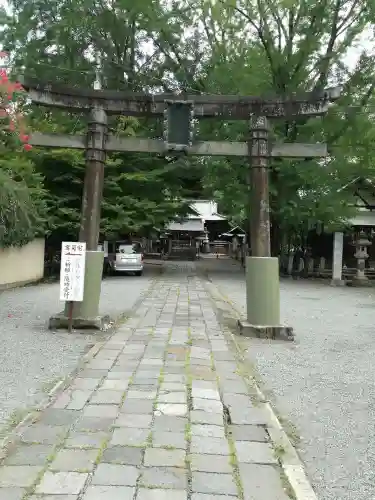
x: 179, y: 112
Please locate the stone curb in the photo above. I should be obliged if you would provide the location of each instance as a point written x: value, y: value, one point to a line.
x: 290, y: 462
x: 66, y: 381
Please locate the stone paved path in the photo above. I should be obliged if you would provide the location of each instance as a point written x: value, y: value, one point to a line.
x: 161, y: 412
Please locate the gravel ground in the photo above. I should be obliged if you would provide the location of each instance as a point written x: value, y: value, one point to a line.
x: 324, y: 383
x: 32, y: 358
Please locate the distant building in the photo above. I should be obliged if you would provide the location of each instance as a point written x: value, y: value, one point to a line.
x: 204, y: 223
x: 194, y: 232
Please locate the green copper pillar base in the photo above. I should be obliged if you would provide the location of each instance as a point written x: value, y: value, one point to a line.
x: 263, y: 300
x: 86, y: 313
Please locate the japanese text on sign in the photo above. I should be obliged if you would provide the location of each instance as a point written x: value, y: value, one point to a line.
x: 72, y: 271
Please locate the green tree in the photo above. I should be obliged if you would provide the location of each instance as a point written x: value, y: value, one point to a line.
x: 204, y: 46
x: 140, y: 191
x: 287, y: 47
x: 23, y: 210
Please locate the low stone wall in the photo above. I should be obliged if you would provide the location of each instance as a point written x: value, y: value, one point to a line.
x: 21, y: 265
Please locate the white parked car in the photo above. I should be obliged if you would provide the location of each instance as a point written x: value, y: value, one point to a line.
x: 127, y: 259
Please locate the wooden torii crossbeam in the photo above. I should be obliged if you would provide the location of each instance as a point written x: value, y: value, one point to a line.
x: 201, y: 148
x: 230, y: 107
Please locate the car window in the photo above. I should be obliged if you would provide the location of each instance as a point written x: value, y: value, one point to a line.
x: 130, y: 249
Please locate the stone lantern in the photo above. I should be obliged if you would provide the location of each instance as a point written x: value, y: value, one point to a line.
x: 361, y: 244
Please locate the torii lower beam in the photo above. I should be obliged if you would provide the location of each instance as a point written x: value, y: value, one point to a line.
x: 204, y: 148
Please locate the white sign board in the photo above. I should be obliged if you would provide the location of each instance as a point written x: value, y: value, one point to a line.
x: 72, y: 271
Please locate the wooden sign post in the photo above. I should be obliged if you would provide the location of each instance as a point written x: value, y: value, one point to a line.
x: 72, y: 275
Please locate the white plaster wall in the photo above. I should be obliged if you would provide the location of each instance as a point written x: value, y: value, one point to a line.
x: 20, y: 265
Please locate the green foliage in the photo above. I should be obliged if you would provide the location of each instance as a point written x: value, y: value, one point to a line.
x: 204, y: 46
x: 23, y: 209
x: 135, y: 197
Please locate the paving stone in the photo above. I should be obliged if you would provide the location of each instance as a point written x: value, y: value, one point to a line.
x: 151, y: 362
x: 209, y: 445
x: 100, y: 364
x: 85, y: 384
x: 115, y: 385
x: 199, y: 353
x: 109, y: 492
x: 207, y: 363
x: 61, y: 483
x: 43, y: 434
x: 78, y: 399
x: 107, y: 354
x: 122, y: 455
x: 62, y: 400
x: 12, y: 493
x: 174, y: 378
x: 211, y: 463
x: 234, y: 386
x: 137, y: 406
x: 169, y: 423
x: 207, y: 405
x: 260, y: 482
x: 145, y: 387
x: 238, y: 401
x: 248, y: 433
x: 148, y: 375
x: 93, y: 424
x: 32, y: 454
x: 206, y: 394
x: 101, y: 411
x: 176, y: 370
x: 207, y: 430
x: 203, y: 417
x: 160, y: 494
x: 172, y: 397
x: 97, y: 374
x: 86, y: 440
x: 141, y: 395
x: 146, y: 382
x: 206, y: 496
x: 209, y: 482
x: 74, y: 460
x: 133, y: 420
x: 104, y: 397
x: 53, y: 416
x: 115, y: 475
x: 157, y: 457
x: 256, y: 453
x: 129, y: 437
x: 117, y: 375
x: 165, y: 477
x: 169, y: 439
x: 203, y: 373
x: 172, y: 386
x: 22, y: 476
x: 177, y: 410
x: 250, y: 416
x: 53, y: 497
x: 128, y: 364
